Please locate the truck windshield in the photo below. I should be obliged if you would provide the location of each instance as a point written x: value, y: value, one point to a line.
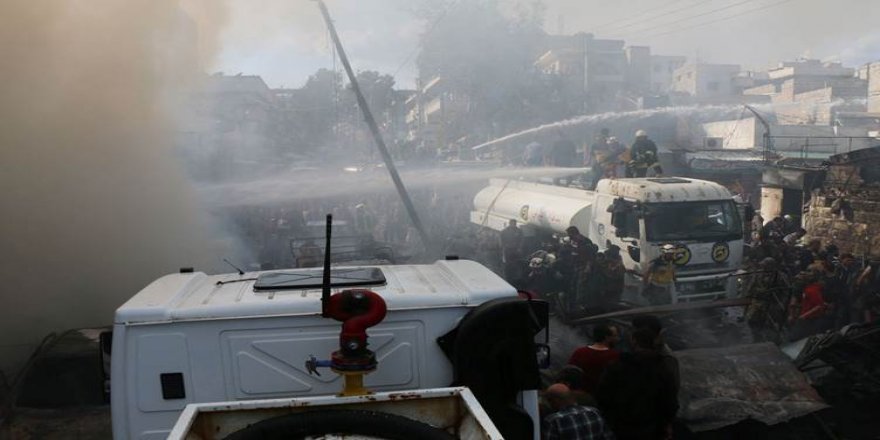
x: 711, y: 220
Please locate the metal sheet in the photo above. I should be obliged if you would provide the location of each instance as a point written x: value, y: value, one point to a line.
x: 723, y: 386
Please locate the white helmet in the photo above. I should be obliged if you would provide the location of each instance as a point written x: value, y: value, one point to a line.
x: 641, y: 133
x: 550, y: 259
x: 667, y: 248
x: 536, y: 262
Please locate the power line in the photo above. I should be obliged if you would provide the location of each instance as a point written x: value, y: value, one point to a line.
x: 719, y: 20
x: 431, y: 28
x: 654, y: 18
x: 713, y: 11
x: 617, y: 23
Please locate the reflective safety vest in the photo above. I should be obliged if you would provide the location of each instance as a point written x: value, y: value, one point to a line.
x: 662, y: 272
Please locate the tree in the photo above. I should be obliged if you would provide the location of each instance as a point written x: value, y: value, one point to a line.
x: 485, y: 49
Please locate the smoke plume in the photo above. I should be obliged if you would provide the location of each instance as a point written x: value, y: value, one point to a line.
x: 93, y: 205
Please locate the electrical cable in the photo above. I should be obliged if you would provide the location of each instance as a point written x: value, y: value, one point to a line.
x: 638, y: 23
x: 703, y: 14
x: 718, y: 20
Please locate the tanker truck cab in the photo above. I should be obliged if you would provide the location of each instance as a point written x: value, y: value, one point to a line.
x: 192, y: 338
x: 699, y: 218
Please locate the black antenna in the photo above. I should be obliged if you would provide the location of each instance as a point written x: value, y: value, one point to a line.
x: 325, y: 283
x: 240, y: 272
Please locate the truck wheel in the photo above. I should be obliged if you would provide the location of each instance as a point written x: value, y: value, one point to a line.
x: 345, y: 422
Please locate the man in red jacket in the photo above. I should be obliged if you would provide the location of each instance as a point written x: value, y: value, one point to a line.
x: 593, y: 359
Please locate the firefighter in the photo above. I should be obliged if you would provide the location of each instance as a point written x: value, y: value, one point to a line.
x: 659, y: 278
x: 511, y: 245
x: 770, y: 296
x: 643, y: 155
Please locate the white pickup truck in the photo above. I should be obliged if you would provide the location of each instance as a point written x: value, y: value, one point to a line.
x: 192, y: 338
x: 639, y: 216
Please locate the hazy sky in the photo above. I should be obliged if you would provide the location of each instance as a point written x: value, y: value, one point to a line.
x: 285, y: 40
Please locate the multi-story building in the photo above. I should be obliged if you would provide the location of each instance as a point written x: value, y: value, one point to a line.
x: 705, y: 82
x: 229, y: 126
x: 433, y: 113
x: 663, y: 69
x: 594, y: 71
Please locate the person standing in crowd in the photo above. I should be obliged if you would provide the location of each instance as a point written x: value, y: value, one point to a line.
x: 638, y: 394
x: 770, y: 293
x: 809, y: 309
x: 573, y: 378
x: 614, y: 273
x: 599, y: 145
x: 583, y: 256
x: 789, y: 225
x: 867, y: 289
x: 848, y: 272
x: 659, y: 277
x: 511, y: 250
x: 570, y: 421
x: 644, y: 156
x: 792, y: 238
x: 593, y: 359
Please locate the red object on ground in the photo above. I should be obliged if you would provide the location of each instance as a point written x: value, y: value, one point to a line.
x: 593, y: 362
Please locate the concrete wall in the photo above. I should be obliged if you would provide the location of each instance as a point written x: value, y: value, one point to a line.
x: 771, y: 203
x: 799, y: 139
x: 663, y: 69
x: 735, y: 135
x: 874, y: 87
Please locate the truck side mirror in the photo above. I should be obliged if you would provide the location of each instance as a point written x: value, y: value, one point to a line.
x: 635, y: 253
x: 542, y: 353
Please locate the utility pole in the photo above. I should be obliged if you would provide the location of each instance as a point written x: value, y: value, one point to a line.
x: 374, y: 129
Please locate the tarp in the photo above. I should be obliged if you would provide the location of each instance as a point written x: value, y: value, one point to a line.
x: 724, y: 386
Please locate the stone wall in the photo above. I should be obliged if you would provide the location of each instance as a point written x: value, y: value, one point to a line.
x: 846, y: 211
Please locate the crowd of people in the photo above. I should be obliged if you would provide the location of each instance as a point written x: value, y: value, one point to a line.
x: 570, y: 266
x: 802, y: 286
x: 291, y: 234
x: 611, y: 390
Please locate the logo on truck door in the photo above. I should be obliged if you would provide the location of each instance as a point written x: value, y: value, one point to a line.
x: 720, y: 252
x: 524, y: 213
x: 682, y: 255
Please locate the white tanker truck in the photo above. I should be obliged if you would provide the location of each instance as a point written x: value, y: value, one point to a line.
x: 698, y: 217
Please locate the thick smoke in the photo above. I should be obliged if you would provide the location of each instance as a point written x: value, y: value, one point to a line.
x: 93, y: 205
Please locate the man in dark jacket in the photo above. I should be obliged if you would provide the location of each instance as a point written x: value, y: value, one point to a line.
x: 637, y: 394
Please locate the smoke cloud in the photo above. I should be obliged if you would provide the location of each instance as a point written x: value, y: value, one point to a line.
x: 93, y: 205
